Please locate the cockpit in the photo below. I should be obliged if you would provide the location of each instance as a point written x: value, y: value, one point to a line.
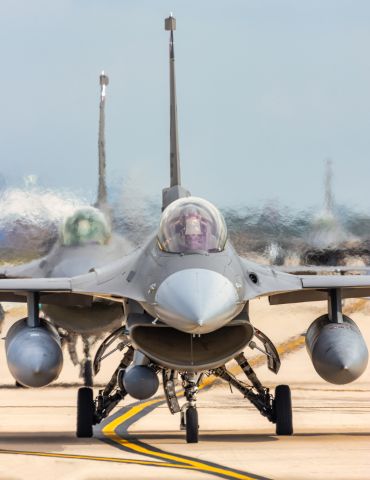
x: 191, y: 225
x: 86, y: 226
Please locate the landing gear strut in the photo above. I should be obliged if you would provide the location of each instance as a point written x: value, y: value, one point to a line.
x: 189, y: 412
x: 90, y: 412
x: 277, y: 410
x: 113, y: 393
x: 86, y: 364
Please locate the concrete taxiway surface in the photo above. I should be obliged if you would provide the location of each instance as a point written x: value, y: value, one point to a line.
x: 143, y: 441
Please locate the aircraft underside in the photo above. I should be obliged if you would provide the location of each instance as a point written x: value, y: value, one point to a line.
x: 189, y: 359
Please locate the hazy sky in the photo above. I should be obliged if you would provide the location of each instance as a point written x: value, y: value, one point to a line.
x: 266, y: 91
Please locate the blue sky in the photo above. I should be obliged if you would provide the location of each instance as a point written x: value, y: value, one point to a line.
x: 266, y: 91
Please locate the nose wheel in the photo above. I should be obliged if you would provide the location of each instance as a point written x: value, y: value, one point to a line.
x: 189, y: 412
x: 191, y: 425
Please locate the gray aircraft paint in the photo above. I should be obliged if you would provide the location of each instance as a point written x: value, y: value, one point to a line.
x: 145, y: 281
x: 72, y: 260
x: 89, y: 320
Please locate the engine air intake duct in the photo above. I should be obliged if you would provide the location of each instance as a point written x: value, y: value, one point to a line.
x: 337, y: 350
x: 183, y: 351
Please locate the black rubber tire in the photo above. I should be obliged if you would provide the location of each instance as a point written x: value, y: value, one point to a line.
x: 283, y: 410
x: 85, y: 412
x: 88, y: 374
x: 192, y: 427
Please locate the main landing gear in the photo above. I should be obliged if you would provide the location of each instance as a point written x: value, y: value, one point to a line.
x: 282, y: 406
x: 85, y: 412
x: 90, y: 412
x: 86, y: 368
x: 277, y: 410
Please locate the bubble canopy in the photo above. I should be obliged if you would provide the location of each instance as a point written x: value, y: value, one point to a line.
x: 86, y: 225
x: 190, y: 225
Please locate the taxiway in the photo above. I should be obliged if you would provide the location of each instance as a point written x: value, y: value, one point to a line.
x: 141, y: 440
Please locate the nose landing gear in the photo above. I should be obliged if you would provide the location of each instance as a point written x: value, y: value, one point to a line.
x: 188, y: 412
x: 190, y: 382
x: 191, y: 424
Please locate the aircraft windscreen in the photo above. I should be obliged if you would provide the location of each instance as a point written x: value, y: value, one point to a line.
x: 86, y: 225
x: 192, y: 224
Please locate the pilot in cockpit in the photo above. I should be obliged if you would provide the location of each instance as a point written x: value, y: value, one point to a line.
x: 192, y: 230
x: 191, y: 225
x: 85, y: 226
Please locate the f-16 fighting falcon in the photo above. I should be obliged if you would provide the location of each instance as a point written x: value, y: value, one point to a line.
x: 85, y: 241
x: 328, y: 242
x: 185, y: 294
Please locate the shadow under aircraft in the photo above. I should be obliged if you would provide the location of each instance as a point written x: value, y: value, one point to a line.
x: 85, y: 241
x: 186, y: 295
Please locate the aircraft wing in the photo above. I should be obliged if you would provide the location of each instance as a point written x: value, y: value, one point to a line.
x: 317, y: 270
x: 282, y: 288
x: 30, y: 269
x: 114, y: 281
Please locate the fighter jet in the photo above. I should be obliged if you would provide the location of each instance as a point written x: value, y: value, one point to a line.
x: 329, y: 243
x: 186, y: 294
x: 85, y: 241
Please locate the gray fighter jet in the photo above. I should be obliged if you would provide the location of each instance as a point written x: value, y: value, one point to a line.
x: 328, y: 241
x: 86, y: 241
x: 186, y: 294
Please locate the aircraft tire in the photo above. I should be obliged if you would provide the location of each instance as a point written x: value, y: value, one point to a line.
x: 85, y: 412
x: 283, y: 410
x: 192, y: 426
x: 88, y: 373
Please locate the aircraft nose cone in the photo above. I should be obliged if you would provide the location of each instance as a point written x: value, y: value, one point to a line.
x: 196, y: 300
